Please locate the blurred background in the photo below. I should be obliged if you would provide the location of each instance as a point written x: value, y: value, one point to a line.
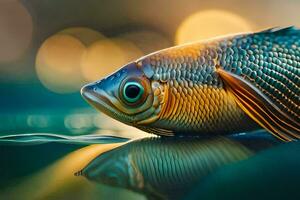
x: 50, y: 48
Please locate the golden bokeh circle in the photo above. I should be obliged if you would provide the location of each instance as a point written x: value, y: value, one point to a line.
x: 75, y: 56
x: 147, y: 41
x: 130, y: 50
x: 58, y: 63
x: 210, y: 23
x: 86, y: 35
x: 106, y: 56
x: 100, y: 59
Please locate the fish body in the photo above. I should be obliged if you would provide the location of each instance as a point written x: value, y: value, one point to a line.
x: 220, y: 86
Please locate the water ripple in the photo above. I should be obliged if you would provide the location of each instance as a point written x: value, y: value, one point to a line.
x: 40, y: 138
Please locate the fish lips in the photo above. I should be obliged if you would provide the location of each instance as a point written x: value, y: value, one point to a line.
x: 95, y: 97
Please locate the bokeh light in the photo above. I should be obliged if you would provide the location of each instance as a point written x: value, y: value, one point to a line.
x: 129, y: 49
x: 210, y: 23
x: 147, y: 41
x: 78, y: 55
x: 37, y: 121
x: 58, y: 63
x: 86, y: 35
x: 106, y: 56
x: 16, y: 30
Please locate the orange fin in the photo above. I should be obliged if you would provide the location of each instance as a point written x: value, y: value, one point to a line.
x: 260, y: 108
x: 157, y: 131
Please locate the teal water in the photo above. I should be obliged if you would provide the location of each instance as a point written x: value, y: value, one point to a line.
x: 42, y: 166
x: 40, y: 131
x: 29, y: 163
x: 40, y: 138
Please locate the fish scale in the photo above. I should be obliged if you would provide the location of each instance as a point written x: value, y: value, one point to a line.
x: 263, y: 59
x: 247, y: 46
x: 206, y: 101
x: 274, y: 45
x: 209, y: 111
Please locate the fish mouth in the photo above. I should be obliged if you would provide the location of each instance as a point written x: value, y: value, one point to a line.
x: 99, y: 99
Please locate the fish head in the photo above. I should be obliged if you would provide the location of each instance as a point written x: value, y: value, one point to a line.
x: 129, y: 95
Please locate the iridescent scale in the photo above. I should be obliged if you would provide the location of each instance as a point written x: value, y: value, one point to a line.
x: 198, y: 100
x: 270, y: 60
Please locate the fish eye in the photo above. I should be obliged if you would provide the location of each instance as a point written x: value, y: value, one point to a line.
x: 133, y: 91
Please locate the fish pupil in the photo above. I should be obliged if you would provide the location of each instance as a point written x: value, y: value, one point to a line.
x: 132, y: 91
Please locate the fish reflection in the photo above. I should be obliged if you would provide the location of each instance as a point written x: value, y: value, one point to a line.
x: 167, y: 168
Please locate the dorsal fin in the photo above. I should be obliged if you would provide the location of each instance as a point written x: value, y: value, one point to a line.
x: 282, y: 30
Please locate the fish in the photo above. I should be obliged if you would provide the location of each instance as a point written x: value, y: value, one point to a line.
x: 168, y: 167
x: 221, y: 86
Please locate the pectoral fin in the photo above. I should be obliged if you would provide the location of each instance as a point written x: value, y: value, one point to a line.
x: 157, y: 131
x: 260, y: 108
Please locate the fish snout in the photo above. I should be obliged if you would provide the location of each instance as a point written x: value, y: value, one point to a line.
x: 88, y: 90
x: 100, y: 95
x: 93, y: 93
